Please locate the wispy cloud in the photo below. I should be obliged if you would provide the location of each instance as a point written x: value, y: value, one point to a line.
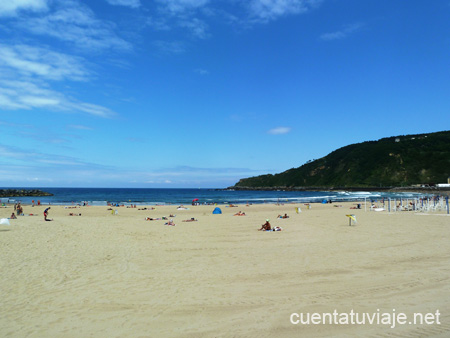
x: 196, y: 26
x: 29, y: 94
x: 41, y: 62
x: 343, y: 33
x: 79, y: 127
x: 182, y: 14
x: 201, y: 71
x: 20, y: 165
x: 192, y: 15
x: 181, y: 6
x: 170, y: 47
x: 126, y: 3
x: 279, y: 131
x: 76, y: 24
x: 268, y: 10
x: 29, y: 72
x: 13, y: 7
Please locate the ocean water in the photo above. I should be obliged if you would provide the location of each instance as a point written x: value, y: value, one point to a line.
x: 102, y: 196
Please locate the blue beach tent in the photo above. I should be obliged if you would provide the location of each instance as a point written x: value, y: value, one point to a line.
x: 217, y: 211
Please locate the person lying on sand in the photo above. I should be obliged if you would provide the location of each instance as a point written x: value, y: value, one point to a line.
x: 170, y: 223
x: 152, y: 219
x: 190, y: 220
x: 72, y: 214
x: 285, y: 216
x: 358, y: 206
x: 239, y: 214
x: 266, y: 226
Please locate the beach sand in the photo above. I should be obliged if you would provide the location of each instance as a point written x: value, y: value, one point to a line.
x: 104, y: 275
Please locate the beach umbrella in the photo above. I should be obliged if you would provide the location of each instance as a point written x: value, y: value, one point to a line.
x: 195, y: 200
x: 4, y: 221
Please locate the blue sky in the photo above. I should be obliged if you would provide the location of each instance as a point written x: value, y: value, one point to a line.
x: 201, y: 93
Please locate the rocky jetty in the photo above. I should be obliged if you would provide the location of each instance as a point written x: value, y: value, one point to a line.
x: 23, y: 192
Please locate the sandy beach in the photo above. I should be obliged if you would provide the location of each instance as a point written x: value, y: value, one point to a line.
x: 105, y: 275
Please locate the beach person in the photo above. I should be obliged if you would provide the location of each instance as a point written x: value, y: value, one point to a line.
x: 13, y: 216
x: 285, y: 216
x: 239, y: 214
x: 170, y: 223
x: 266, y: 226
x: 190, y: 220
x: 46, y: 213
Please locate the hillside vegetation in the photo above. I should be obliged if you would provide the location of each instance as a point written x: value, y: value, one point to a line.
x: 389, y: 162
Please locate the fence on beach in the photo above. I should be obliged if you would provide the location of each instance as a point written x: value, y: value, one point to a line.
x: 419, y: 204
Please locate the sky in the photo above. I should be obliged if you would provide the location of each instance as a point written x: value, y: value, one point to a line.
x: 202, y: 93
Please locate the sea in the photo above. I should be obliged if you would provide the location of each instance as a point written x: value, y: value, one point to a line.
x: 144, y: 196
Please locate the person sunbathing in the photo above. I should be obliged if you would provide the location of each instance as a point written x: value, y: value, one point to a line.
x: 170, y: 223
x: 266, y: 226
x: 239, y: 214
x: 152, y: 219
x: 285, y: 216
x: 190, y: 220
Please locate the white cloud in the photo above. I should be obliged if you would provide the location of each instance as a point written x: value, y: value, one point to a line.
x: 27, y: 94
x: 11, y: 7
x: 179, y: 6
x: 184, y: 14
x: 279, y: 131
x: 22, y: 94
x: 201, y: 71
x: 77, y: 25
x: 126, y: 3
x: 91, y: 109
x: 41, y: 62
x: 343, y: 33
x: 267, y: 10
x: 170, y: 47
x: 79, y: 127
x: 197, y: 27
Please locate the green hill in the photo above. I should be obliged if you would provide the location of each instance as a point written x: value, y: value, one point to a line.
x: 389, y: 162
